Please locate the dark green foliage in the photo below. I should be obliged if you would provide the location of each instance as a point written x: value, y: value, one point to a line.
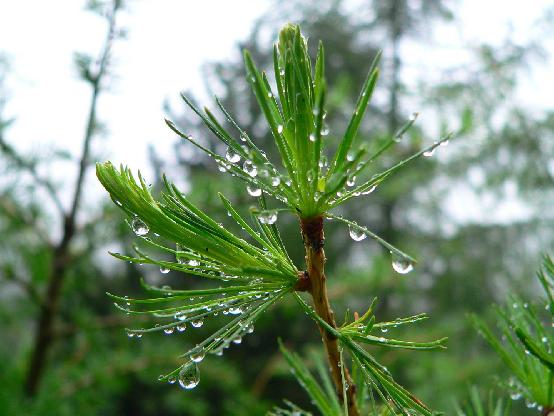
x: 477, y: 406
x: 526, y: 343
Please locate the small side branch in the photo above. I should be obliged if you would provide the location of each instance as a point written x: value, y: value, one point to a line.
x: 31, y: 169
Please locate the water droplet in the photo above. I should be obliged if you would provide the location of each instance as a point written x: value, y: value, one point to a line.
x: 384, y: 329
x: 544, y: 340
x: 444, y: 143
x: 197, y: 323
x: 414, y: 116
x: 312, y: 137
x: 171, y: 380
x: 515, y: 396
x: 275, y: 181
x: 370, y: 190
x: 250, y: 168
x: 194, y: 263
x: 164, y: 270
x: 181, y: 327
x: 282, y: 72
x: 356, y: 234
x: 351, y: 181
x: 268, y: 217
x: 401, y: 264
x: 325, y: 131
x: 253, y: 191
x: 235, y: 310
x: 197, y: 355
x: 232, y: 156
x: 189, y: 376
x: 139, y: 227
x: 237, y: 340
x: 530, y: 404
x: 270, y: 94
x: 350, y: 156
x: 169, y: 330
x: 429, y: 152
x: 279, y: 129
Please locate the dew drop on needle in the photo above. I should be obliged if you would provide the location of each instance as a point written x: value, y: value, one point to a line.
x: 139, y: 227
x: 189, y: 376
x: 356, y: 234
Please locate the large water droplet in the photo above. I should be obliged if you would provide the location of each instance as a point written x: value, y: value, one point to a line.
x: 356, y: 234
x: 253, y: 191
x: 325, y: 131
x: 164, y: 270
x: 429, y: 152
x: 275, y: 181
x: 250, y: 168
x: 401, y: 264
x: 189, y: 376
x: 232, y: 156
x: 268, y: 217
x: 139, y: 227
x: 169, y: 330
x: 279, y: 129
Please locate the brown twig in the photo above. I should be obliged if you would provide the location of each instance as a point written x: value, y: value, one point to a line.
x: 312, y: 233
x: 11, y: 210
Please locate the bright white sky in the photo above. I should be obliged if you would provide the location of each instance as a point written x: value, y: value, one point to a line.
x: 167, y: 44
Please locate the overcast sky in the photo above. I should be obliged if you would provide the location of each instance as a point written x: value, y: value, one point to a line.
x: 167, y: 43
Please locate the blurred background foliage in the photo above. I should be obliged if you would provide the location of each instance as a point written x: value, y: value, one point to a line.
x: 503, y: 154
